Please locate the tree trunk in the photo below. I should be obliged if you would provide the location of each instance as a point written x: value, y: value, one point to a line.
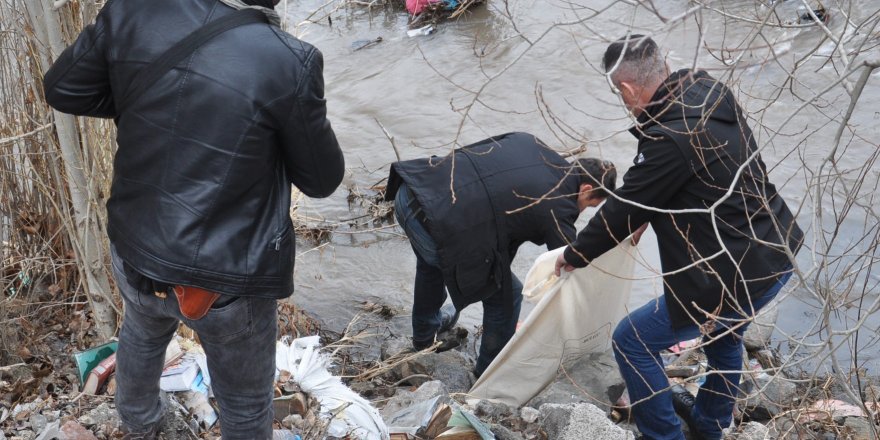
x: 87, y: 244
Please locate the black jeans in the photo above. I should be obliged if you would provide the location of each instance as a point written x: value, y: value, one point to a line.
x: 239, y: 341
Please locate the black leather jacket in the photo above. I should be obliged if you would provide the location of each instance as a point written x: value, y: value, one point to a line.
x: 201, y: 183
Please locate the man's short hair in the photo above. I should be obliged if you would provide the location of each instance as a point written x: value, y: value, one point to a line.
x: 634, y: 57
x: 598, y: 173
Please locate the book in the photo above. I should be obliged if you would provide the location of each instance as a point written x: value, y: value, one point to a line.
x: 99, y: 374
x: 88, y: 359
x: 179, y: 375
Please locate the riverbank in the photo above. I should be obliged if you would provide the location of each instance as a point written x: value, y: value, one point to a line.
x: 41, y: 395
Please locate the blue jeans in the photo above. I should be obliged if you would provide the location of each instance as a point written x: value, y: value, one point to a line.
x: 429, y: 292
x: 638, y: 340
x: 239, y: 342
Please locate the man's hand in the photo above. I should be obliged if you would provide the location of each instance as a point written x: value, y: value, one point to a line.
x: 638, y: 234
x: 562, y: 264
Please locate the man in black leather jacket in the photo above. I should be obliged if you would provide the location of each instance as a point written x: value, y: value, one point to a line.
x: 720, y: 266
x: 201, y: 188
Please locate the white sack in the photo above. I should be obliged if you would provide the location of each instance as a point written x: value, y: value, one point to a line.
x: 575, y: 315
x: 352, y: 415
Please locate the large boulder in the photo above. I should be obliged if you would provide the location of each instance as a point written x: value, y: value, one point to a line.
x: 593, y: 379
x: 581, y: 421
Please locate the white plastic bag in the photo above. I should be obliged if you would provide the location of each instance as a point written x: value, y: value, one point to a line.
x: 575, y: 315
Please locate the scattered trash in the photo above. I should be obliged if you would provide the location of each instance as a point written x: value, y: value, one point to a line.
x: 806, y: 17
x: 88, y: 359
x: 361, y: 44
x: 181, y: 374
x: 349, y: 414
x: 99, y: 375
x: 422, y: 31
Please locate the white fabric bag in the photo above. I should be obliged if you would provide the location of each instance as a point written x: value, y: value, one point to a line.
x: 575, y: 315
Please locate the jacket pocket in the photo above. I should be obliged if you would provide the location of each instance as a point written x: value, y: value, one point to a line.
x: 478, y: 276
x: 281, y: 245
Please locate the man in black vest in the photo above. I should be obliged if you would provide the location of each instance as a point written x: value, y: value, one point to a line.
x: 466, y: 214
x: 726, y: 237
x: 201, y: 188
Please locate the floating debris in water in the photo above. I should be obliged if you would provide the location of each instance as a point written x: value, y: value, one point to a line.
x: 807, y: 18
x: 361, y: 44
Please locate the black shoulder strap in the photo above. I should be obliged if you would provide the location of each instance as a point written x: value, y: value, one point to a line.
x: 175, y: 54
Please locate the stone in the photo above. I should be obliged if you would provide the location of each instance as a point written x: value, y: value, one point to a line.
x: 554, y: 418
x: 747, y: 431
x: 872, y: 393
x: 292, y: 421
x: 594, y: 379
x: 450, y: 367
x: 75, y: 431
x: 405, y: 398
x: 395, y: 346
x: 581, y: 421
x: 766, y: 396
x: 38, y: 422
x: 98, y: 416
x: 859, y: 428
x: 757, y: 335
x: 503, y: 433
x: 529, y: 415
x: 493, y: 411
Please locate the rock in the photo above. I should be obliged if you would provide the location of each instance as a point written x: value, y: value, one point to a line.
x: 25, y: 434
x: 503, y: 433
x: 450, y: 367
x: 406, y: 399
x: 98, y: 416
x: 75, y: 431
x: 554, y: 418
x: 859, y: 428
x: 766, y: 396
x: 872, y: 393
x: 596, y: 377
x: 580, y: 422
x: 395, y: 346
x: 529, y: 415
x: 492, y: 411
x: 747, y: 431
x: 292, y: 421
x: 757, y: 336
x: 51, y: 431
x: 38, y: 422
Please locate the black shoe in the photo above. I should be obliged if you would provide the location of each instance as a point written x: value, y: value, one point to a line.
x: 448, y: 317
x: 683, y: 402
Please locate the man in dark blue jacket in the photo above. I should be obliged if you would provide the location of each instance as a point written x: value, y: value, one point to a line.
x: 201, y: 189
x: 466, y: 214
x: 726, y: 237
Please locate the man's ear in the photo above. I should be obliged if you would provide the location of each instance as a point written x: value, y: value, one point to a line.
x: 584, y: 189
x: 629, y: 89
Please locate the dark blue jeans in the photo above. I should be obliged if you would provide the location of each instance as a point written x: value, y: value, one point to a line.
x: 638, y: 340
x: 429, y: 292
x: 239, y: 342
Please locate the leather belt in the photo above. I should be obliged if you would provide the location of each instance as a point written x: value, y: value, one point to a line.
x: 416, y: 208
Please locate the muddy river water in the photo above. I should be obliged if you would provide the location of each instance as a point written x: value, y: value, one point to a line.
x: 544, y: 80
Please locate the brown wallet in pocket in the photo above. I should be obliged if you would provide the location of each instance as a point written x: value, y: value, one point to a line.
x: 194, y: 302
